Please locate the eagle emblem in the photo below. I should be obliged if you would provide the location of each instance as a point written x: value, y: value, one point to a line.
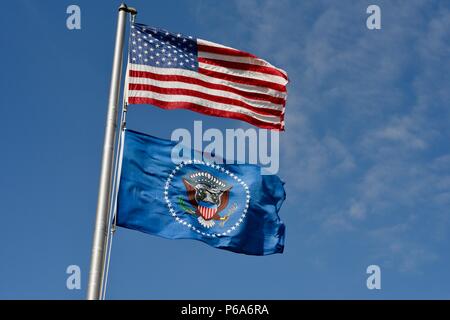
x: 209, y: 196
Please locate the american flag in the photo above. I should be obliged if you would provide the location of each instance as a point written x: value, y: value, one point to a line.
x: 173, y: 71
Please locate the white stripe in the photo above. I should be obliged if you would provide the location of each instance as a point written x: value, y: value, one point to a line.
x: 204, y: 103
x: 256, y: 60
x: 244, y: 73
x: 247, y: 60
x: 213, y: 44
x: 219, y: 93
x: 193, y: 74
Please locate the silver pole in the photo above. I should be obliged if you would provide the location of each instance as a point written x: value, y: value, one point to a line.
x: 104, y: 192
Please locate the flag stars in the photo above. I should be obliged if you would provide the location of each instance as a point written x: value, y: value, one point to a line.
x: 163, y: 49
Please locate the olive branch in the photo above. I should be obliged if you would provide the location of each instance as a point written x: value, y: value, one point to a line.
x: 183, y: 206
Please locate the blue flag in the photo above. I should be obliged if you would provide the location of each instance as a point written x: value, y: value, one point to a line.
x: 228, y: 206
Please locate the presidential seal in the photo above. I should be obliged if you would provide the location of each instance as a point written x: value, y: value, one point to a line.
x: 208, y: 193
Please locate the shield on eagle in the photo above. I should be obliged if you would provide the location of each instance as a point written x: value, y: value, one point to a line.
x: 208, y: 194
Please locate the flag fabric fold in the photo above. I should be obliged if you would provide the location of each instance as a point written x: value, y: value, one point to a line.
x: 227, y: 206
x: 173, y: 71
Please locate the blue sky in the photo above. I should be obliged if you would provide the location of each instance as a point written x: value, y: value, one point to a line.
x: 365, y: 155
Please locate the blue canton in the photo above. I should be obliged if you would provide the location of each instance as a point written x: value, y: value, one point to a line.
x: 160, y: 48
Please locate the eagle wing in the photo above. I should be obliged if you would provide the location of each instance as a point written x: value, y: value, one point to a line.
x: 224, y: 200
x: 190, y: 190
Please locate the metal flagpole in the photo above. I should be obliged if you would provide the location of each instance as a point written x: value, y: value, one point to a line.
x: 104, y: 194
x: 115, y: 192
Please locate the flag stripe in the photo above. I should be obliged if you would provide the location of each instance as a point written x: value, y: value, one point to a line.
x: 205, y: 103
x: 247, y: 60
x: 209, y: 111
x: 263, y: 101
x: 222, y: 50
x: 207, y: 81
x: 246, y: 75
x: 243, y: 80
x: 220, y: 97
x: 243, y: 66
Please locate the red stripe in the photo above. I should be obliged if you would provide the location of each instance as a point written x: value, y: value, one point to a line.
x: 186, y: 79
x: 201, y: 95
x: 227, y: 51
x: 207, y: 111
x: 244, y: 80
x: 243, y: 66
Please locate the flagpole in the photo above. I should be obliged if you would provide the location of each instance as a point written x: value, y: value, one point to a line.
x: 104, y: 194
